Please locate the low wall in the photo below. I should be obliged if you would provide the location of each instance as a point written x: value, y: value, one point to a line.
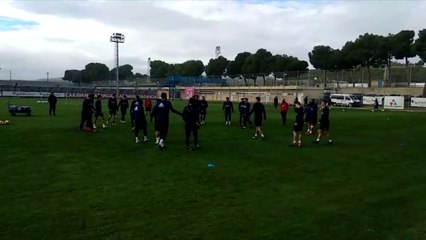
x: 384, y: 91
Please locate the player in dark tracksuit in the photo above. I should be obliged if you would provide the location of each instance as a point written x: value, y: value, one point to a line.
x: 98, y: 112
x: 112, y: 106
x: 132, y: 107
x: 248, y: 110
x: 239, y: 109
x: 298, y: 125
x: 52, y: 104
x: 192, y: 123
x: 324, y: 127
x: 203, y: 109
x: 161, y: 114
x: 259, y: 115
x: 139, y: 119
x: 313, y: 111
x: 228, y: 108
x: 87, y: 113
x: 244, y: 113
x: 123, y: 105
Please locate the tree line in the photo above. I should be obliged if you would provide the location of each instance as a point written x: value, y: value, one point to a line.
x: 94, y: 72
x: 245, y: 64
x: 371, y: 50
x: 368, y: 50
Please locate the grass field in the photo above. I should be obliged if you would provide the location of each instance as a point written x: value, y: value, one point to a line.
x: 58, y: 183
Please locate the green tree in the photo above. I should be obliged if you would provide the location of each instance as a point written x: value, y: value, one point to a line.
x: 97, y: 72
x: 192, y: 68
x: 265, y: 61
x: 235, y: 67
x: 159, y: 69
x: 124, y: 72
x: 217, y: 66
x: 73, y: 75
x: 250, y: 67
x: 323, y: 57
x: 371, y: 50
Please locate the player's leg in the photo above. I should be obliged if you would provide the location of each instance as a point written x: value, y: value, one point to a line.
x: 136, y: 131
x: 145, y: 132
x: 54, y: 109
x: 294, y: 138
x: 195, y: 133
x: 319, y: 135
x: 299, y: 140
x: 83, y: 121
x: 187, y: 135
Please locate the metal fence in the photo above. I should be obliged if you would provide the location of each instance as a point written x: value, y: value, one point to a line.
x: 398, y: 76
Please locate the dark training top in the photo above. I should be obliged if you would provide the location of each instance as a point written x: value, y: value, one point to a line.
x: 203, y: 105
x: 123, y: 104
x: 161, y: 110
x: 299, y: 115
x: 190, y: 114
x: 132, y: 105
x: 52, y: 99
x: 87, y: 107
x: 112, y: 104
x: 228, y: 106
x: 98, y: 106
x: 244, y: 108
x: 259, y: 111
x: 138, y: 112
x: 325, y: 114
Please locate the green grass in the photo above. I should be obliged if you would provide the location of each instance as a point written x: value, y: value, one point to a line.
x: 58, y: 183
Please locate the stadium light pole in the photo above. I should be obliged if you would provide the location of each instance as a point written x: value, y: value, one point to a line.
x: 117, y: 38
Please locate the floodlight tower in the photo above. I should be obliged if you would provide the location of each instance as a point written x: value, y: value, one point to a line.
x: 117, y: 38
x: 148, y: 71
x: 217, y: 51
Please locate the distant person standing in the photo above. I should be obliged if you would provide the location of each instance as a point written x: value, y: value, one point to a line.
x: 123, y: 105
x: 283, y: 111
x: 228, y: 108
x: 52, y: 104
x: 247, y: 117
x: 192, y: 124
x: 259, y: 115
x: 324, y: 123
x: 87, y: 110
x: 376, y: 105
x: 148, y: 105
x: 112, y: 106
x: 313, y: 111
x: 140, y: 122
x: 161, y: 114
x: 244, y: 113
x: 276, y: 102
x: 98, y: 112
x: 305, y: 101
x: 298, y: 125
x: 132, y: 107
x: 240, y: 108
x: 203, y: 109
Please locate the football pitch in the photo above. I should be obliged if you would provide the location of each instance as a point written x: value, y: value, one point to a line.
x: 59, y: 183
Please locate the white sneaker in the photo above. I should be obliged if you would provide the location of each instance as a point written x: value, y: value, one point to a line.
x: 161, y: 143
x: 145, y: 139
x: 104, y: 126
x: 94, y: 126
x: 157, y: 140
x: 137, y: 140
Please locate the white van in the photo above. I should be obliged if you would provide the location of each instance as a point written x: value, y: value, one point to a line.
x: 346, y: 100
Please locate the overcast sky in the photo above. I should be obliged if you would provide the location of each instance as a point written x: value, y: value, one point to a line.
x: 51, y: 36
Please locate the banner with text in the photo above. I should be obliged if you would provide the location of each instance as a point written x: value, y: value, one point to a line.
x: 394, y: 102
x: 418, y: 102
